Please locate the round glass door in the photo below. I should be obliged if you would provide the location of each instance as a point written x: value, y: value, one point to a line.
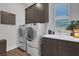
x: 30, y: 34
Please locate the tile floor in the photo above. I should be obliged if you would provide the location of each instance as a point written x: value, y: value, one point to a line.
x: 17, y: 52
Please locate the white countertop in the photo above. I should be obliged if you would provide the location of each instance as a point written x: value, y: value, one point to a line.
x: 62, y: 37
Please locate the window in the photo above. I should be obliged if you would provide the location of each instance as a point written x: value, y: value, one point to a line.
x: 61, y: 14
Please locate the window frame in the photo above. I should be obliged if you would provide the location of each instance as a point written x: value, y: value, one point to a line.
x: 61, y: 17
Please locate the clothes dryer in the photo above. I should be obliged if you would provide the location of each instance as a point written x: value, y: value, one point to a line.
x: 33, y: 35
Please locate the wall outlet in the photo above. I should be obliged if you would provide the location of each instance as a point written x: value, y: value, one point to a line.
x: 49, y: 31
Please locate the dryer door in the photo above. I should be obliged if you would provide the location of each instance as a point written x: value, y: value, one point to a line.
x: 30, y: 34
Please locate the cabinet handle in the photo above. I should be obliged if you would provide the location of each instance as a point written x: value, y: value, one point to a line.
x: 2, y: 49
x: 21, y: 42
x: 72, y: 46
x: 31, y: 46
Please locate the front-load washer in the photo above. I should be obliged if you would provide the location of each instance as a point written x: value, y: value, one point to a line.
x: 33, y: 35
x: 21, y: 38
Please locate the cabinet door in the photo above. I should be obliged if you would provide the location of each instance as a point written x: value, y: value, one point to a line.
x: 49, y: 47
x: 11, y: 19
x: 45, y: 50
x: 37, y: 13
x: 26, y: 16
x: 29, y: 15
x: 2, y: 47
x: 41, y: 12
x: 66, y: 48
x: 4, y: 17
x: 7, y: 18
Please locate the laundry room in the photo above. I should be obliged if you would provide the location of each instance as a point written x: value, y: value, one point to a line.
x: 39, y: 29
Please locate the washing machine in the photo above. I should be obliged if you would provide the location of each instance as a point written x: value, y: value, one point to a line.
x: 21, y: 37
x: 33, y: 34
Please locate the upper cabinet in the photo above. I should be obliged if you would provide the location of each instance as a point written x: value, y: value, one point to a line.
x: 37, y: 13
x: 7, y: 18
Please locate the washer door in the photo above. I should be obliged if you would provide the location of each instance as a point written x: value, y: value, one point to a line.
x: 30, y: 34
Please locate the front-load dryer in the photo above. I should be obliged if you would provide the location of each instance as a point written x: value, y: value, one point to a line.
x: 33, y: 35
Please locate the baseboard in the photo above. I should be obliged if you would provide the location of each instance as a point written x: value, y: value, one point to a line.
x: 11, y: 48
x: 21, y: 49
x: 28, y: 54
x: 24, y: 51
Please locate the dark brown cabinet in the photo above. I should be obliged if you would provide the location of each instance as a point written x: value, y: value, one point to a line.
x: 66, y: 48
x: 49, y: 47
x: 2, y: 47
x: 37, y: 13
x: 56, y: 47
x: 7, y: 18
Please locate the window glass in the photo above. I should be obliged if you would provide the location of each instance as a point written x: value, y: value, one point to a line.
x: 61, y: 10
x: 62, y: 23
